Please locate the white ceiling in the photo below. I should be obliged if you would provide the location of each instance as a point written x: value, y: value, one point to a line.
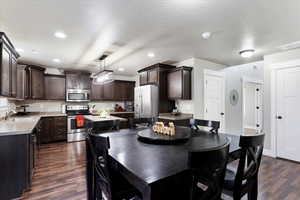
x: 132, y: 28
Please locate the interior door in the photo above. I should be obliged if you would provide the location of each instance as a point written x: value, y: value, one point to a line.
x: 214, y: 98
x: 288, y: 109
x: 252, y: 103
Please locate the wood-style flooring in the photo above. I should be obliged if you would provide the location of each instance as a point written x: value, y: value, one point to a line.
x: 60, y: 175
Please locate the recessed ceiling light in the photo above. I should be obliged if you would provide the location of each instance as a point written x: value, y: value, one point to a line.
x: 60, y: 35
x: 151, y: 55
x: 34, y: 51
x: 206, y: 35
x: 121, y: 69
x: 247, y: 53
x: 56, y: 60
x: 19, y: 50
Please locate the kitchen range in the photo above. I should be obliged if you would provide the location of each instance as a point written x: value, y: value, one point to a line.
x: 75, y: 130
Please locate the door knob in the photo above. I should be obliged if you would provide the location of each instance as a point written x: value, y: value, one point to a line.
x: 222, y: 113
x: 279, y: 117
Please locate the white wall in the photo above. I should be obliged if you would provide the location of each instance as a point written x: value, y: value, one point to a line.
x: 196, y: 105
x: 233, y: 77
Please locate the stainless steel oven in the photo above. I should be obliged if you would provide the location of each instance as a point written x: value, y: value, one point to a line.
x: 77, y: 95
x: 76, y: 133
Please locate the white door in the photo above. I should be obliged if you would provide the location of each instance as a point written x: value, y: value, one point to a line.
x: 252, y: 103
x: 288, y: 110
x: 214, y: 98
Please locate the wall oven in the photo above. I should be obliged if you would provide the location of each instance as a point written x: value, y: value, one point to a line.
x: 77, y: 95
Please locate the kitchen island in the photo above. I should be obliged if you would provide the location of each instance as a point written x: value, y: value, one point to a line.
x: 99, y: 124
x: 179, y: 119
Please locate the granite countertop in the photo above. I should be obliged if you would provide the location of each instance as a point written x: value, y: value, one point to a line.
x: 169, y: 116
x: 125, y: 112
x: 25, y: 124
x: 96, y: 118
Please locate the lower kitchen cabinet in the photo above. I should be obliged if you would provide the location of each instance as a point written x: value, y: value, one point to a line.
x: 17, y: 155
x: 53, y: 129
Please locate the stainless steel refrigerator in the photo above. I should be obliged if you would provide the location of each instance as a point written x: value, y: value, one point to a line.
x: 146, y: 101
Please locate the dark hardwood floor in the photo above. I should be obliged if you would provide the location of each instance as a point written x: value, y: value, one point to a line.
x: 60, y: 175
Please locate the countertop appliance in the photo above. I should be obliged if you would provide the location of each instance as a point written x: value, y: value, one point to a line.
x: 76, y: 133
x: 78, y: 95
x: 146, y: 101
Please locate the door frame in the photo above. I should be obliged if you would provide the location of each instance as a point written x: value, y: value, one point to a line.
x: 260, y: 82
x: 273, y: 97
x: 209, y: 72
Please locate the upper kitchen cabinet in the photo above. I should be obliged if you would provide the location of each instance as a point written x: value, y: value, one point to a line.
x: 8, y: 67
x: 119, y: 90
x: 36, y: 82
x: 55, y: 87
x: 153, y: 74
x: 179, y: 83
x: 22, y: 82
x: 78, y: 80
x: 97, y: 92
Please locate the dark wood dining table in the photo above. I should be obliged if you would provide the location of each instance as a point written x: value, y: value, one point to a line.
x: 145, y: 166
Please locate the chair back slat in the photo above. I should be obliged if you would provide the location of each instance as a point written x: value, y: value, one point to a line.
x: 214, y: 125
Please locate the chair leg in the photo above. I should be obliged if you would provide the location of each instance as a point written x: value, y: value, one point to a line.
x: 253, y: 193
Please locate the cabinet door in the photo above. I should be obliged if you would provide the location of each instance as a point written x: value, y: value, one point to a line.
x: 37, y: 84
x: 153, y: 76
x: 72, y: 81
x: 130, y: 91
x: 60, y: 129
x: 55, y: 87
x: 108, y: 91
x: 13, y: 76
x: 85, y: 81
x: 97, y: 92
x: 175, y: 84
x: 46, y: 130
x: 143, y: 78
x: 119, y: 90
x: 5, y: 72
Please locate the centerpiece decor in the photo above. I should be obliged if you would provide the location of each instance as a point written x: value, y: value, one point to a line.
x: 160, y: 128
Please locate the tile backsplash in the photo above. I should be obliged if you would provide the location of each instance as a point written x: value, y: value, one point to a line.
x: 6, y: 106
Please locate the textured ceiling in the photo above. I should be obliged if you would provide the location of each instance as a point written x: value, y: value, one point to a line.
x: 132, y: 28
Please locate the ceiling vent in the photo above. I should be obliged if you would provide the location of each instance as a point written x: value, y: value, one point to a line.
x: 293, y: 45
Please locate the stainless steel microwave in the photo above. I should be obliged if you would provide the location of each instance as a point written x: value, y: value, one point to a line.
x: 77, y: 95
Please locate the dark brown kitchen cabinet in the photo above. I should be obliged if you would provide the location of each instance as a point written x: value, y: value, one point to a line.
x: 36, y: 82
x: 14, y: 65
x: 143, y: 78
x: 78, y: 80
x: 22, y: 82
x: 53, y: 129
x: 119, y: 90
x: 97, y: 92
x: 8, y: 62
x: 179, y: 83
x: 55, y: 87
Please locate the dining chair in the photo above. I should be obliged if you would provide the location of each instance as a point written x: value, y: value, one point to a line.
x: 214, y: 125
x: 207, y: 172
x: 244, y: 180
x: 99, y: 181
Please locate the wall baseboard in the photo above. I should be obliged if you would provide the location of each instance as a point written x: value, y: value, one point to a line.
x: 269, y: 152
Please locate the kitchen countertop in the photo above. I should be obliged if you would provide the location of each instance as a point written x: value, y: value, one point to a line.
x: 97, y: 118
x: 17, y: 125
x: 169, y: 116
x: 125, y: 112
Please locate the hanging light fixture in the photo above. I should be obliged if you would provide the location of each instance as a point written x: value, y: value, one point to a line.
x: 104, y: 75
